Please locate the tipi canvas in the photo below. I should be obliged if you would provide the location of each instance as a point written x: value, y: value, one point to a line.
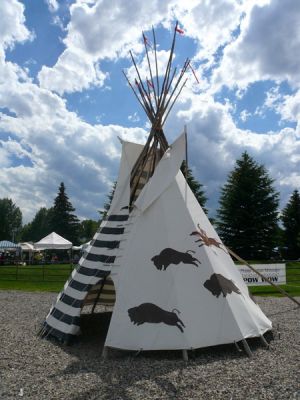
x: 156, y: 257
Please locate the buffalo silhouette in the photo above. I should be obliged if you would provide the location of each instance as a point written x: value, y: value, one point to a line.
x: 152, y: 314
x: 170, y: 256
x: 218, y: 284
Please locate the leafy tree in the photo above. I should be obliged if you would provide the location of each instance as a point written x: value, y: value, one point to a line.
x: 39, y: 227
x: 10, y: 220
x: 107, y: 204
x: 196, y: 187
x: 88, y: 228
x: 291, y: 222
x: 63, y: 221
x: 247, y: 215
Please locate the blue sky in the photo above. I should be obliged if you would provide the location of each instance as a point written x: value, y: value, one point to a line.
x: 64, y: 99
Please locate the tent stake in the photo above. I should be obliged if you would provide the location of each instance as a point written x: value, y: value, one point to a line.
x: 264, y: 342
x: 247, y: 348
x: 185, y: 355
x: 237, y: 347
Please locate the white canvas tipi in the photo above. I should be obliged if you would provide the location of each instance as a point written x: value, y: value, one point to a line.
x: 175, y: 285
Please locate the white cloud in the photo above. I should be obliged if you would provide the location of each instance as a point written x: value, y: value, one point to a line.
x: 215, y: 143
x: 267, y: 47
x: 134, y: 117
x: 210, y: 22
x: 74, y: 71
x: 12, y: 28
x: 52, y: 5
x: 244, y: 115
x: 290, y: 109
x: 99, y: 30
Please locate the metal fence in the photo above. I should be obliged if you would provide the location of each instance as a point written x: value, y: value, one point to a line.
x: 36, y: 273
x: 60, y: 273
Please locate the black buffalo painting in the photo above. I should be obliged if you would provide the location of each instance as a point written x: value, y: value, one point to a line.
x: 218, y: 284
x: 170, y: 256
x: 152, y: 314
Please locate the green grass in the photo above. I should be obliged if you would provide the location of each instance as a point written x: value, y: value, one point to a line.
x: 51, y: 278
x: 45, y: 278
x: 292, y: 287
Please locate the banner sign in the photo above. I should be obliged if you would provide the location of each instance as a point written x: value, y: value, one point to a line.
x: 275, y: 272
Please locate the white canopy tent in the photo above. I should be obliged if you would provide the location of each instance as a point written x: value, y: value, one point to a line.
x: 26, y: 246
x: 53, y: 241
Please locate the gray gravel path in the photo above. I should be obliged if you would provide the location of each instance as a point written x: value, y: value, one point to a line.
x: 31, y: 368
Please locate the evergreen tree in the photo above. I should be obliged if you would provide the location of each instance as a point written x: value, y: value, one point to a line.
x: 196, y: 187
x: 39, y: 227
x: 291, y: 223
x: 247, y: 215
x: 107, y: 204
x: 63, y: 221
x: 10, y: 220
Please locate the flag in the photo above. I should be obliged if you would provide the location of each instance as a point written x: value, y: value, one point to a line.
x: 150, y: 85
x: 179, y: 30
x: 147, y: 41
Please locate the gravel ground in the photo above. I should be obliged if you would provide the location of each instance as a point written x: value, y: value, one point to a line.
x: 31, y: 368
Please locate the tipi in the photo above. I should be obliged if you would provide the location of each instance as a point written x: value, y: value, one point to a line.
x: 156, y: 256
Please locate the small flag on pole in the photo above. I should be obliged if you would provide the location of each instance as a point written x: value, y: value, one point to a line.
x: 179, y: 30
x: 149, y: 83
x: 147, y: 42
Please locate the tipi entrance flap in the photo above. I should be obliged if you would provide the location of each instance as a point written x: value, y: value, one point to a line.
x: 164, y: 174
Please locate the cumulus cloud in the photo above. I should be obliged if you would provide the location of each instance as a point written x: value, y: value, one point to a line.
x: 290, y: 109
x: 99, y: 30
x: 12, y: 27
x: 215, y: 143
x: 60, y: 146
x: 210, y: 22
x: 52, y: 5
x: 265, y: 49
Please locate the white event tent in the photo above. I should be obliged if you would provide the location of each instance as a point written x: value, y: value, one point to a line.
x: 53, y: 241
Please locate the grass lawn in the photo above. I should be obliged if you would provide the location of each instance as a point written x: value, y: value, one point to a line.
x: 51, y: 278
x: 292, y: 287
x: 45, y: 278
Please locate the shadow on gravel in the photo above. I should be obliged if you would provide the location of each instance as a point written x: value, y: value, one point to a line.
x: 124, y: 369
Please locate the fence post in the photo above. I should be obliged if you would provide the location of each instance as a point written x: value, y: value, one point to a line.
x: 17, y: 272
x: 43, y: 272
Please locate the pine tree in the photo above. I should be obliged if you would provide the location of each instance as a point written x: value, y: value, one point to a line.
x: 291, y: 222
x: 39, y: 227
x: 107, y: 204
x: 247, y: 215
x: 196, y: 187
x: 10, y: 220
x: 63, y: 221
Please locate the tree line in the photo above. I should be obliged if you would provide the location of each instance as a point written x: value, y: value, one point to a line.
x: 247, y: 219
x: 59, y: 218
